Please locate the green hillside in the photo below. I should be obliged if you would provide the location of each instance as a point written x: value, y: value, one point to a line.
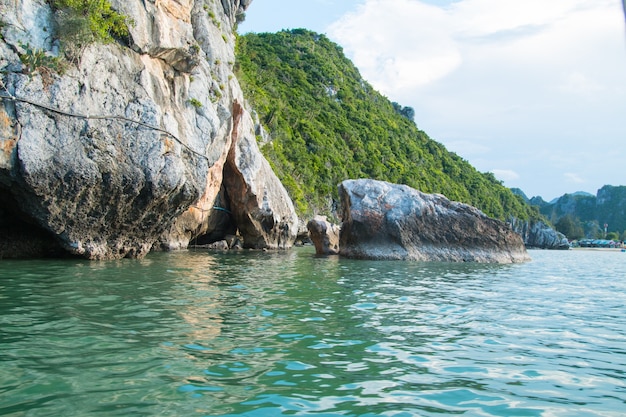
x: 327, y: 124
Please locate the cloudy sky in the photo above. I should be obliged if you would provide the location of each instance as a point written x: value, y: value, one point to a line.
x: 533, y: 91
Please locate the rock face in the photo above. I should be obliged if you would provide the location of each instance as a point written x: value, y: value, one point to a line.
x: 325, y: 236
x: 387, y: 221
x: 133, y: 145
x: 539, y: 235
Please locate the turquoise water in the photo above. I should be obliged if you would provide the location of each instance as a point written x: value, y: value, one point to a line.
x: 270, y: 334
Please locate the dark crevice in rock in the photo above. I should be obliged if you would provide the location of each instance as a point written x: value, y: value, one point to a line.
x: 21, y: 237
x: 254, y: 223
x: 220, y: 222
x: 240, y: 215
x: 237, y: 189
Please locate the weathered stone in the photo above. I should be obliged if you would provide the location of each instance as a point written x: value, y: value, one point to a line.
x: 209, y: 219
x: 136, y: 153
x: 325, y: 235
x: 219, y: 245
x: 162, y: 29
x: 388, y: 221
x: 537, y: 234
x: 234, y: 241
x: 303, y: 236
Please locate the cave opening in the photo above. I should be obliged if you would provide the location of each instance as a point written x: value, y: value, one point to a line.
x: 221, y: 222
x: 20, y: 235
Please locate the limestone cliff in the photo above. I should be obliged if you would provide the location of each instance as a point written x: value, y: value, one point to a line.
x: 128, y: 149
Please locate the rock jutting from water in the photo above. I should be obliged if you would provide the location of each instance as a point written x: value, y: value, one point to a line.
x: 325, y: 235
x: 390, y: 221
x: 537, y: 234
x: 137, y: 146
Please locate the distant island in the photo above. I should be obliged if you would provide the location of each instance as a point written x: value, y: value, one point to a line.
x: 583, y: 215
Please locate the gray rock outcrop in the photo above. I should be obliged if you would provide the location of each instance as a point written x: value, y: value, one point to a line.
x: 324, y: 235
x: 130, y: 148
x: 388, y: 221
x: 538, y: 235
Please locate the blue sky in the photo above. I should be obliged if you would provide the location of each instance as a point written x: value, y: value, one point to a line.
x: 533, y: 91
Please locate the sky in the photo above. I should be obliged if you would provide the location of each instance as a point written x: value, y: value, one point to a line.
x: 533, y: 91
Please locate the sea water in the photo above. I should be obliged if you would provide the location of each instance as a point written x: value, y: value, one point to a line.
x: 288, y: 333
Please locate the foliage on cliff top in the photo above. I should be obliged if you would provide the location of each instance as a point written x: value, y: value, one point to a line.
x: 82, y: 22
x: 327, y: 124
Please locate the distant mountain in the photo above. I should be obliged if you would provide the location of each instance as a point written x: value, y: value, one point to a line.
x: 520, y: 193
x: 575, y: 194
x: 582, y: 214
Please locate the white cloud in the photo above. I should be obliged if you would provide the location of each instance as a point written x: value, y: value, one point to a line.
x: 578, y: 83
x: 572, y: 177
x: 398, y: 44
x: 505, y: 17
x: 533, y: 80
x: 466, y: 147
x: 505, y: 174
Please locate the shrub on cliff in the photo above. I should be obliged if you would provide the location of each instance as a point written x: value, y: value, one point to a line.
x: 83, y: 22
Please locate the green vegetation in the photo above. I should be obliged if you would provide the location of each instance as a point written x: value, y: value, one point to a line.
x: 571, y: 227
x: 212, y: 16
x: 239, y: 18
x: 37, y: 60
x: 80, y: 23
x: 215, y: 94
x: 195, y: 102
x: 612, y: 236
x: 83, y: 22
x: 327, y: 124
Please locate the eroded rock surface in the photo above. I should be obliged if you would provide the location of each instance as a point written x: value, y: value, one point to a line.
x: 389, y: 221
x: 537, y: 234
x: 325, y: 235
x: 128, y: 148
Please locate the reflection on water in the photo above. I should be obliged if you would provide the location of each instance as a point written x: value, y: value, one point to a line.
x: 264, y: 333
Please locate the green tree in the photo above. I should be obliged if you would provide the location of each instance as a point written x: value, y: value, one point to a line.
x: 592, y: 230
x: 612, y: 236
x: 570, y: 227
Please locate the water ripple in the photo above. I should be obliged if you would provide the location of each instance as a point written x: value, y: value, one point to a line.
x: 258, y: 334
